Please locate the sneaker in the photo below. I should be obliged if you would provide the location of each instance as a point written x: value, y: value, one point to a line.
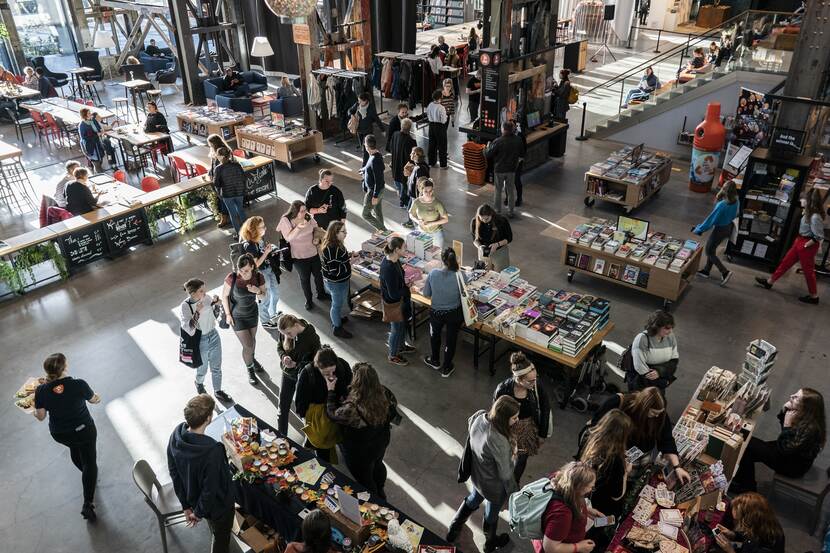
x: 270, y: 325
x: 498, y: 542
x: 808, y: 299
x: 252, y: 379
x: 408, y: 224
x: 344, y: 319
x: 309, y: 305
x: 222, y: 395
x: 341, y: 332
x: 725, y: 278
x: 447, y: 371
x: 763, y: 282
x: 258, y: 367
x: 432, y: 364
x: 406, y: 348
x: 518, y: 202
x: 703, y: 274
x: 88, y: 512
x: 200, y: 388
x: 398, y: 360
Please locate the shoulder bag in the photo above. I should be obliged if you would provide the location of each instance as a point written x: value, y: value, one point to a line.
x: 189, y: 353
x: 286, y: 261
x: 393, y: 312
x: 549, y: 433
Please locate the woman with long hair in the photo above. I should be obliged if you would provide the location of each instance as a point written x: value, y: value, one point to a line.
x: 449, y: 98
x: 604, y: 450
x: 316, y: 532
x: 491, y: 236
x: 534, y: 414
x: 654, y: 355
x: 567, y: 513
x: 252, y: 238
x: 337, y: 275
x: 652, y: 426
x: 214, y: 142
x: 804, y: 249
x: 64, y: 399
x: 755, y: 527
x: 90, y: 140
x: 720, y: 221
x: 428, y: 212
x: 493, y: 446
x: 445, y: 311
x: 395, y: 295
x: 297, y: 345
x: 365, y: 416
x: 243, y: 288
x: 803, y: 434
x: 297, y: 227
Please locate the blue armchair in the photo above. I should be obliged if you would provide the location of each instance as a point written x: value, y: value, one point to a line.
x: 242, y: 103
x: 212, y: 87
x: 153, y: 64
x: 291, y: 106
x: 256, y: 83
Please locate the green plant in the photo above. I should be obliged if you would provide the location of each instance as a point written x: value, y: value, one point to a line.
x: 9, y: 275
x: 27, y: 258
x: 159, y: 211
x: 205, y: 195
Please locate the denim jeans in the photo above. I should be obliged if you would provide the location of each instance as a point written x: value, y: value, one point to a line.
x: 397, y: 335
x: 403, y: 196
x: 505, y: 182
x: 235, y: 211
x: 210, y: 347
x: 268, y: 307
x: 339, y: 297
x: 491, y: 512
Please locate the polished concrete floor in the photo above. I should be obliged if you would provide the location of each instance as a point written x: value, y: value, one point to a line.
x: 115, y: 322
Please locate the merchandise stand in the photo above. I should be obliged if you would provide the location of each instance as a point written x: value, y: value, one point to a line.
x: 282, y: 146
x: 627, y: 190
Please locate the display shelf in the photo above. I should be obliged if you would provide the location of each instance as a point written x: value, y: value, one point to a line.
x: 629, y: 193
x: 204, y: 121
x: 444, y: 13
x: 283, y: 146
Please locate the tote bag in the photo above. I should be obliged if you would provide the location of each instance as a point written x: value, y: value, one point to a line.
x: 189, y: 353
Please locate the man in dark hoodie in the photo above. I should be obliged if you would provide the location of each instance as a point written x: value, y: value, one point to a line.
x: 312, y: 392
x: 373, y: 184
x: 367, y: 118
x: 200, y: 473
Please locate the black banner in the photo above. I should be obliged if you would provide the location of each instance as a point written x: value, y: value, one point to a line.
x: 789, y: 141
x: 489, y: 60
x: 126, y: 230
x: 84, y: 246
x: 259, y: 181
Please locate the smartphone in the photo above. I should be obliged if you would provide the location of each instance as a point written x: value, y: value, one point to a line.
x: 601, y: 522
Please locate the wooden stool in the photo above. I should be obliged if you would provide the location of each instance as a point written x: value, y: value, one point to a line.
x: 813, y: 486
x: 154, y: 95
x: 122, y: 106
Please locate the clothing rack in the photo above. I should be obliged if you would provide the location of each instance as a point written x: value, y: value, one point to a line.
x: 333, y: 72
x: 419, y: 65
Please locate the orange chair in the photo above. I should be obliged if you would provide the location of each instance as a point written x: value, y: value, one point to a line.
x: 239, y: 152
x: 120, y: 176
x: 148, y: 184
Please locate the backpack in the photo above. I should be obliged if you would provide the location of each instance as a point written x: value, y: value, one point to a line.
x: 573, y: 95
x: 527, y: 507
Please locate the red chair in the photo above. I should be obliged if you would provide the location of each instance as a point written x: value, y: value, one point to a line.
x: 148, y: 184
x: 40, y: 125
x: 239, y: 152
x: 53, y: 127
x: 90, y: 103
x: 57, y: 214
x: 159, y: 148
x: 120, y: 176
x: 180, y: 168
x: 80, y: 101
x: 200, y: 170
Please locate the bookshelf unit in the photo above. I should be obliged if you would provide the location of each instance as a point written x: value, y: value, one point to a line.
x: 627, y: 193
x: 770, y: 208
x: 446, y: 12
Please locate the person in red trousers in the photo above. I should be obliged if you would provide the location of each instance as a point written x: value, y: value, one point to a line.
x: 804, y: 249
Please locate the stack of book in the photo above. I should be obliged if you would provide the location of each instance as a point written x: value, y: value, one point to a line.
x: 760, y: 357
x: 620, y: 166
x: 419, y: 243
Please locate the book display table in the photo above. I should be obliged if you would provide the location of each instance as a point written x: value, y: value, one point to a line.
x: 629, y: 177
x: 287, y: 146
x: 204, y: 121
x: 660, y: 265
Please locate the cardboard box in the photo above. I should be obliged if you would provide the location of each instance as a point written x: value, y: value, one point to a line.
x: 258, y: 541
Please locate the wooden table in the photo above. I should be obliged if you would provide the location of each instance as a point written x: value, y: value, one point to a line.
x: 67, y: 111
x: 663, y: 283
x: 635, y: 193
x: 135, y: 135
x: 286, y: 149
x: 9, y: 151
x: 17, y: 92
x: 204, y: 121
x: 134, y: 86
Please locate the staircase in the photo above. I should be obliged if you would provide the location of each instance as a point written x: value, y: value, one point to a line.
x: 607, y: 115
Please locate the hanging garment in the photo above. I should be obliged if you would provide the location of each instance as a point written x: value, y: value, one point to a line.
x: 386, y: 78
x: 377, y: 69
x: 405, y: 81
x: 358, y: 86
x: 314, y: 96
x: 396, y: 71
x: 331, y: 96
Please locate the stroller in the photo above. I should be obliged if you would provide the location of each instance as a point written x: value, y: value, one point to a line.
x: 590, y: 389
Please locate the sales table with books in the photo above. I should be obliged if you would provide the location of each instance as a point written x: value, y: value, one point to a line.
x: 208, y: 120
x: 629, y: 177
x: 277, y: 481
x: 711, y: 435
x: 656, y: 263
x: 283, y: 144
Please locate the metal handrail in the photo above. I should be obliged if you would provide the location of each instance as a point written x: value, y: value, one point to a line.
x: 680, y: 48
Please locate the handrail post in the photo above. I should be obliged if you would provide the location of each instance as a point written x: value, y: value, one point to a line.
x: 630, y: 32
x: 622, y: 87
x: 582, y: 136
x: 657, y: 48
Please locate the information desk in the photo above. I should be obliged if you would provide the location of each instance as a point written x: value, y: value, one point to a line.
x: 282, y: 511
x: 271, y: 142
x: 543, y: 142
x: 663, y: 283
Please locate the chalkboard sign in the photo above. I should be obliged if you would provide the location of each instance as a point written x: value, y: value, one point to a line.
x: 787, y: 140
x: 126, y: 230
x: 259, y: 181
x: 84, y: 246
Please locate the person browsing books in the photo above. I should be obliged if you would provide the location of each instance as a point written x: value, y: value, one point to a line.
x: 654, y: 355
x: 443, y: 288
x: 428, y: 213
x: 720, y: 221
x: 396, y: 299
x: 491, y: 236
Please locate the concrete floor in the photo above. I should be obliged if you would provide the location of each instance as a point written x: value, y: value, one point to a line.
x: 115, y: 322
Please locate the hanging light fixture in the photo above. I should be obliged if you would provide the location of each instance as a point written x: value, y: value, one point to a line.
x: 293, y: 9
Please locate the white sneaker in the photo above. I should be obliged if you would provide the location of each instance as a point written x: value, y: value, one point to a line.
x: 725, y: 278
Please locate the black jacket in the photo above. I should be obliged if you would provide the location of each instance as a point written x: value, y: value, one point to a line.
x: 229, y: 180
x: 336, y: 263
x: 496, y: 230
x: 373, y: 174
x: 365, y: 125
x: 305, y: 347
x: 79, y: 198
x: 664, y: 441
x: 504, y: 153
x: 156, y: 122
x: 311, y: 388
x: 539, y: 410
x: 200, y: 473
x: 402, y: 144
x: 421, y: 170
x: 393, y: 127
x: 393, y: 287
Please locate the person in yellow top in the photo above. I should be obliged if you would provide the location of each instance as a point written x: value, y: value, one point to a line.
x: 428, y: 213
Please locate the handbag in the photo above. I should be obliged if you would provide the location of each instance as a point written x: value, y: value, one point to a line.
x: 221, y: 316
x: 189, y: 353
x: 286, y: 260
x: 392, y: 312
x: 549, y: 433
x: 465, y: 466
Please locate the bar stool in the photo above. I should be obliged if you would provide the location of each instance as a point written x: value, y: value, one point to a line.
x: 122, y: 106
x: 91, y: 90
x: 15, y: 185
x: 154, y: 95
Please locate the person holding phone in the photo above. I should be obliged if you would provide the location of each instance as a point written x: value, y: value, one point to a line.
x: 64, y: 400
x: 755, y: 527
x: 267, y: 259
x: 297, y: 345
x: 325, y: 201
x: 242, y: 291
x: 298, y: 228
x: 492, y: 235
x: 196, y: 313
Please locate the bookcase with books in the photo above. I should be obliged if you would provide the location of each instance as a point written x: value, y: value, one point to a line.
x: 770, y: 208
x: 659, y: 265
x: 444, y: 13
x: 629, y: 177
